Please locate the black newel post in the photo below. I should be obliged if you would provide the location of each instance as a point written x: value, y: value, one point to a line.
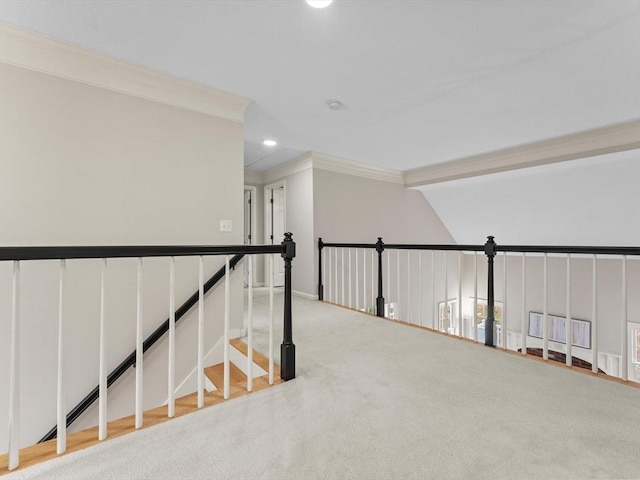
x: 380, y: 299
x: 490, y: 252
x: 320, y: 286
x: 287, y: 349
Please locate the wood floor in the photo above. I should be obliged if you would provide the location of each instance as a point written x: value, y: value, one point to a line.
x: 184, y: 405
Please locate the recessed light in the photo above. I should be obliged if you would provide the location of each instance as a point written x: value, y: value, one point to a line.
x: 319, y: 3
x: 270, y: 143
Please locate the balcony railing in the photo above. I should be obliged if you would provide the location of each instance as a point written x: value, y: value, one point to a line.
x: 543, y: 296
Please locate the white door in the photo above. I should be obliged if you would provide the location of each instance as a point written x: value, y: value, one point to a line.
x: 275, y: 227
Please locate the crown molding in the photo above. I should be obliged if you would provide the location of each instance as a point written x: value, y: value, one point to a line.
x: 44, y: 54
x: 615, y: 138
x: 298, y: 164
x: 253, y: 178
x: 322, y: 161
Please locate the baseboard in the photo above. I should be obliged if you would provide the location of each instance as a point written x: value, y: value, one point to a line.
x: 305, y: 295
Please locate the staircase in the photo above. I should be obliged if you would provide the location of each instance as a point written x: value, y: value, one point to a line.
x: 184, y: 405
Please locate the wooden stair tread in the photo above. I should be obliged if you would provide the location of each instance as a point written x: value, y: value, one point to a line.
x: 237, y: 378
x: 184, y: 405
x: 258, y: 358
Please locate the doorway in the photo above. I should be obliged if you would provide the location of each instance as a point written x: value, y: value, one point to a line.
x: 275, y: 225
x: 249, y: 228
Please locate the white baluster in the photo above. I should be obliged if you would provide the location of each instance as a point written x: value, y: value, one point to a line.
x: 250, y: 326
x: 475, y: 296
x: 227, y: 309
x: 434, y: 315
x: 61, y: 437
x: 545, y: 317
x: 523, y: 340
x: 364, y: 280
x: 594, y: 316
x: 446, y: 290
x: 420, y: 299
x: 337, y: 299
x: 397, y: 312
x: 14, y: 372
x: 324, y: 275
x: 171, y: 380
x: 373, y: 280
x: 460, y: 271
x: 102, y: 399
x: 568, y: 327
x: 624, y: 374
x: 270, y: 319
x: 139, y: 347
x: 408, y: 285
x: 342, y: 298
x: 330, y: 276
x: 335, y: 273
x: 357, y: 283
x: 349, y: 278
x: 388, y: 282
x: 504, y: 302
x: 201, y: 333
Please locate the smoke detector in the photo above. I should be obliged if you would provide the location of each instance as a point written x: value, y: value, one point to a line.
x: 335, y: 104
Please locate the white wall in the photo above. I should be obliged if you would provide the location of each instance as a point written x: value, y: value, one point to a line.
x: 354, y: 209
x: 83, y: 165
x: 300, y: 213
x: 349, y: 209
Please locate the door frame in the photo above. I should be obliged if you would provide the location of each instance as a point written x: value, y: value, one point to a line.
x: 253, y: 240
x: 253, y: 211
x: 282, y: 184
x: 268, y: 223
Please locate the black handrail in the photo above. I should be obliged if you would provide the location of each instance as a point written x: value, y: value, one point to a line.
x: 130, y: 251
x: 490, y: 249
x: 407, y: 246
x: 130, y: 361
x: 579, y: 250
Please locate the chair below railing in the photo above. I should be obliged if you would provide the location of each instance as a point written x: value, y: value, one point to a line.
x: 20, y: 255
x: 543, y: 296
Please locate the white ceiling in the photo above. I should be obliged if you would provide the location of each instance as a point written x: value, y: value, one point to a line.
x: 423, y: 82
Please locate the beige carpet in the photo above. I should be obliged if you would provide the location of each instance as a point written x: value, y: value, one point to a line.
x: 378, y: 400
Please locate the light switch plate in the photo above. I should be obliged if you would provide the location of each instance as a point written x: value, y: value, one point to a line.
x: 226, y: 226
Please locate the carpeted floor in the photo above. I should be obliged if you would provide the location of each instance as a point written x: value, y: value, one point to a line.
x: 377, y: 400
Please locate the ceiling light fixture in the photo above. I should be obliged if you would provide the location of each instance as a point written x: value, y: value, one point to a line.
x: 335, y: 104
x: 270, y: 143
x: 319, y: 3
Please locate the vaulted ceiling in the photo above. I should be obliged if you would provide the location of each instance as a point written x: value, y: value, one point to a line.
x: 422, y: 82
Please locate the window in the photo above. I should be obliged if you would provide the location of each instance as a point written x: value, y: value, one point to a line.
x: 448, y: 316
x: 483, y: 309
